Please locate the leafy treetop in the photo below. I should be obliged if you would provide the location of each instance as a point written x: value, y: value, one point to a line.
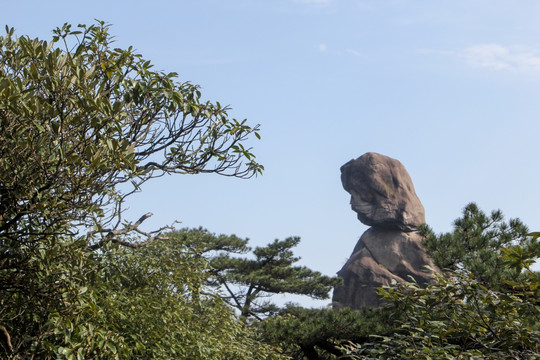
x: 80, y: 119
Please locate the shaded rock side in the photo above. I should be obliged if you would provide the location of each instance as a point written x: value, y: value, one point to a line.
x: 382, y: 193
x: 379, y: 257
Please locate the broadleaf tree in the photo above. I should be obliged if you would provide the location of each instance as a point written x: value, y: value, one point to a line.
x: 84, y: 125
x: 458, y: 317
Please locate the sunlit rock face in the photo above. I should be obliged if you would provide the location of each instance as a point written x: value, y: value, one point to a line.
x: 382, y: 192
x: 383, y: 195
x: 379, y: 257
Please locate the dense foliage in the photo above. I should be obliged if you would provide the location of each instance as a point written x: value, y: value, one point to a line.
x: 459, y: 318
x: 484, y: 305
x: 316, y: 334
x: 83, y: 125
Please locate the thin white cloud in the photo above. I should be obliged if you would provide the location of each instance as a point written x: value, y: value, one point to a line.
x: 323, y: 48
x: 354, y: 52
x: 496, y: 57
x: 491, y: 56
x: 317, y: 2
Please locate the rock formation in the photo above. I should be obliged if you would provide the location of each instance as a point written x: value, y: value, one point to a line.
x: 383, y: 195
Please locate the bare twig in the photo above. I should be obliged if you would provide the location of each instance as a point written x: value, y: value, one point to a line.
x: 5, y: 338
x: 112, y: 235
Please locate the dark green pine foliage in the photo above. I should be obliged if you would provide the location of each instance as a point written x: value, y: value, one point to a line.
x: 250, y: 279
x: 318, y: 334
x: 476, y: 244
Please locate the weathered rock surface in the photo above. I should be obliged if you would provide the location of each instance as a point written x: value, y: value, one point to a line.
x: 400, y: 253
x: 362, y: 275
x: 383, y: 195
x: 382, y: 192
x: 379, y: 257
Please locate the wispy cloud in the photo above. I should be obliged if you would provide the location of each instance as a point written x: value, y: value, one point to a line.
x: 497, y: 57
x: 318, y: 2
x: 354, y: 52
x: 322, y: 47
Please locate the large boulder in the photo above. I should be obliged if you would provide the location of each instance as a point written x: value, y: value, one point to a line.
x: 382, y: 192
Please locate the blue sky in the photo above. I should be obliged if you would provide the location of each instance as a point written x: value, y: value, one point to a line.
x: 449, y: 88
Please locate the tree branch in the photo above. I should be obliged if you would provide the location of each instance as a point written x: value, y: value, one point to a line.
x: 5, y: 338
x: 113, y: 234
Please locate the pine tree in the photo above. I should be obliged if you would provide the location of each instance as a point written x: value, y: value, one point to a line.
x: 477, y: 243
x: 249, y: 281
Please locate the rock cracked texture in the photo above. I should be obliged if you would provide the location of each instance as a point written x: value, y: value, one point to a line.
x: 383, y: 195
